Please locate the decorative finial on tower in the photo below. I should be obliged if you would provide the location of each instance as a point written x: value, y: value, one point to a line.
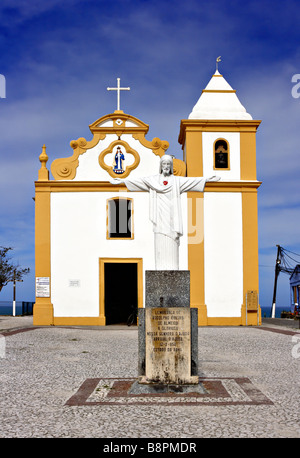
x: 43, y: 172
x: 217, y: 61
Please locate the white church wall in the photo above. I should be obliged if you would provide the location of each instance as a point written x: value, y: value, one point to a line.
x: 78, y: 240
x: 74, y: 232
x: 233, y: 138
x: 223, y: 254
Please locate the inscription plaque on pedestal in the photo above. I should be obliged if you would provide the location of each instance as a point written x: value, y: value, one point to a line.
x: 168, y: 346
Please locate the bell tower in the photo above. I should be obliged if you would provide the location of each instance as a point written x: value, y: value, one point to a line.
x: 219, y: 138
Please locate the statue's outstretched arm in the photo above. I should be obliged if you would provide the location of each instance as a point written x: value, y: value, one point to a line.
x: 214, y: 178
x: 116, y: 181
x: 135, y: 184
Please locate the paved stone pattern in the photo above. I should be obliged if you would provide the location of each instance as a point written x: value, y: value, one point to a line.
x: 43, y: 368
x: 224, y: 391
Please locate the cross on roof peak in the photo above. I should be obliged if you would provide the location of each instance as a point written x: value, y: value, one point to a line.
x: 118, y: 89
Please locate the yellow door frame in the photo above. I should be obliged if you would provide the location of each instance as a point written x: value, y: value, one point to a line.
x: 102, y: 262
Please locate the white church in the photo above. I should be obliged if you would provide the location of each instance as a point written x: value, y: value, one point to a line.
x: 94, y: 239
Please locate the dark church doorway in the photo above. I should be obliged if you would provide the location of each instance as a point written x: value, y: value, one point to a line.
x: 121, y: 291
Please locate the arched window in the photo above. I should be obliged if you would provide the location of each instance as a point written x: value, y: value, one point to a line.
x: 221, y: 154
x: 119, y: 218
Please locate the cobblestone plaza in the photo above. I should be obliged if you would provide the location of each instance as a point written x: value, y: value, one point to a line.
x: 74, y: 382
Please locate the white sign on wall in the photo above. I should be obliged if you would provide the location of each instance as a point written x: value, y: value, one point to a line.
x: 74, y: 283
x: 42, y: 286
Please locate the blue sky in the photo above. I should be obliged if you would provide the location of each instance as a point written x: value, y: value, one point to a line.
x: 59, y: 57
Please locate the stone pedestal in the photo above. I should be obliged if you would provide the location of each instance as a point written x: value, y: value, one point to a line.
x: 168, y: 331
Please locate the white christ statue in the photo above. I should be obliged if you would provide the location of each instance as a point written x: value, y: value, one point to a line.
x: 165, y: 208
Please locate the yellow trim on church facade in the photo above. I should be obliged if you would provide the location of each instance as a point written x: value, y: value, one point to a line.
x: 191, y: 138
x: 128, y: 150
x: 65, y: 168
x: 250, y: 254
x: 43, y: 308
x: 224, y: 91
x: 102, y: 262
